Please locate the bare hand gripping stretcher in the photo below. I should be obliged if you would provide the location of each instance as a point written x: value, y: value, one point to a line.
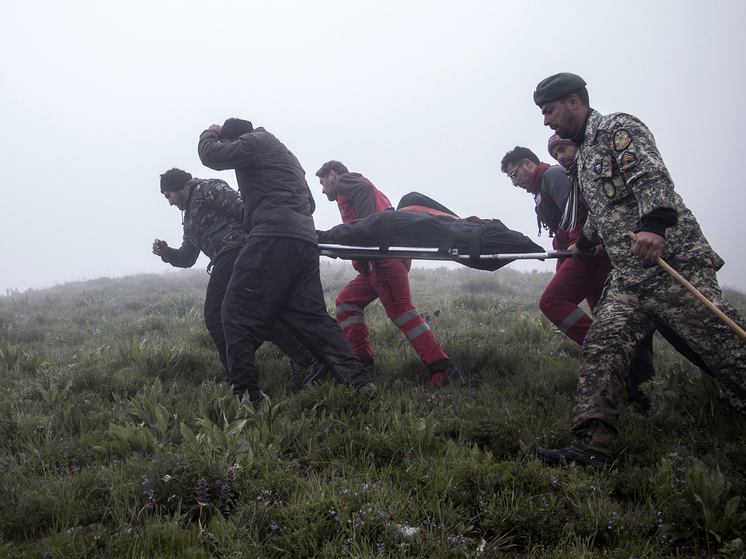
x: 423, y: 229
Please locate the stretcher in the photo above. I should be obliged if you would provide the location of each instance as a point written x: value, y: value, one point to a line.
x: 372, y: 253
x: 425, y: 233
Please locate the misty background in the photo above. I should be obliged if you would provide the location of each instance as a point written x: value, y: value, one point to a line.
x: 99, y: 98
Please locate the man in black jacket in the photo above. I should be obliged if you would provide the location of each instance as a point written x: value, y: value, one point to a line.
x: 213, y: 223
x: 276, y: 275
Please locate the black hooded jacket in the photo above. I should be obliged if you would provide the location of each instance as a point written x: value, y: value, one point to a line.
x: 276, y: 196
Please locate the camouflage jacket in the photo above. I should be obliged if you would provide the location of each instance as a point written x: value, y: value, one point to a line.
x: 623, y: 178
x: 213, y: 222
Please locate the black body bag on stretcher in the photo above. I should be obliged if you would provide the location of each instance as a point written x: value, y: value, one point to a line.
x: 435, y: 228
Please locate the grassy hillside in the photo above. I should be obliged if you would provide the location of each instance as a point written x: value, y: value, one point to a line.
x: 118, y: 439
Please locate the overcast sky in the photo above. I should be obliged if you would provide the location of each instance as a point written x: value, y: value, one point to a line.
x: 99, y: 98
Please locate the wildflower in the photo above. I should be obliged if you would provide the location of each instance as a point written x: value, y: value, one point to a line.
x: 223, y: 493
x: 203, y: 493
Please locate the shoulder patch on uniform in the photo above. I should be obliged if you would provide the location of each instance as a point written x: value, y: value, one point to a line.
x: 622, y: 139
x: 598, y: 168
x: 609, y: 189
x: 628, y: 160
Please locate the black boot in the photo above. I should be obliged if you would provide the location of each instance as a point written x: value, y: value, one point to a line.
x: 591, y: 448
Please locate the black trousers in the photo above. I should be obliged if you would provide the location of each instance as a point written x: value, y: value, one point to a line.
x: 276, y: 279
x: 641, y: 368
x: 222, y: 271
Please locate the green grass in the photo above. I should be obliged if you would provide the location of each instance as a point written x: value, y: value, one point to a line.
x: 117, y: 438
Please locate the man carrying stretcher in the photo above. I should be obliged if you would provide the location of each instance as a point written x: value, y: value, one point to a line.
x: 385, y: 279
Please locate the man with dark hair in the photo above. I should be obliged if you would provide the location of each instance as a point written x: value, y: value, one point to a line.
x: 563, y: 216
x: 212, y: 217
x: 628, y: 190
x: 276, y: 275
x: 385, y: 279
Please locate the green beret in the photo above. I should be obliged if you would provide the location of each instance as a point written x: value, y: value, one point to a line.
x: 557, y: 86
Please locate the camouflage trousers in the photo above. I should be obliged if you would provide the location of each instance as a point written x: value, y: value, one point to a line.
x: 626, y: 314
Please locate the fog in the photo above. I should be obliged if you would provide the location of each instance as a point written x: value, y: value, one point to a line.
x: 98, y: 99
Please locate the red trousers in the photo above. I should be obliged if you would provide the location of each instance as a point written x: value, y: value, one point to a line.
x: 574, y: 282
x: 387, y: 280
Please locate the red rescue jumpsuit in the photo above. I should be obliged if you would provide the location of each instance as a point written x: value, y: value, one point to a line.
x: 573, y: 281
x: 385, y: 279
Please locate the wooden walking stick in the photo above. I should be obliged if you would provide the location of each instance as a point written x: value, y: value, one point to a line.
x: 694, y: 291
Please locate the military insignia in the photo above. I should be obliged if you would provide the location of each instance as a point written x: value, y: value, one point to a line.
x: 609, y: 189
x: 628, y: 160
x: 622, y: 139
x: 599, y: 167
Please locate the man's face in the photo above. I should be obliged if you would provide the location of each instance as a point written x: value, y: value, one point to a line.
x: 519, y: 175
x: 564, y: 154
x: 329, y: 186
x: 177, y: 198
x: 558, y: 115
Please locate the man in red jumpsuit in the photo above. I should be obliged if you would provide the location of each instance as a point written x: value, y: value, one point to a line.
x: 562, y: 212
x: 385, y: 279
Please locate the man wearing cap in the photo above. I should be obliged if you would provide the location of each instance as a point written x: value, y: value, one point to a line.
x: 385, y: 279
x: 276, y: 275
x: 628, y: 190
x: 212, y: 218
x: 562, y: 151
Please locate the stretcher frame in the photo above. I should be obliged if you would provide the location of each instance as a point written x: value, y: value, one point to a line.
x: 373, y: 253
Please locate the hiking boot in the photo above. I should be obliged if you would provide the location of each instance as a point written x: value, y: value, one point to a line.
x: 441, y: 373
x: 591, y: 448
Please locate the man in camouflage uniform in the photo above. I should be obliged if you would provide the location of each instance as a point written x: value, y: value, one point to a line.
x: 561, y: 210
x: 628, y: 189
x: 213, y: 214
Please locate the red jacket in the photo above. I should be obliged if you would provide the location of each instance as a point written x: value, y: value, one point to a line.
x: 357, y: 198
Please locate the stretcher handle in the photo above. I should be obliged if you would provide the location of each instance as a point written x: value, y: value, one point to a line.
x: 371, y: 253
